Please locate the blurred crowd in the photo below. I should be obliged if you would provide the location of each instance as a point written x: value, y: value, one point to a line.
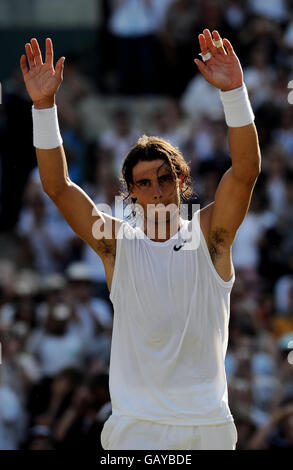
x: 55, y: 313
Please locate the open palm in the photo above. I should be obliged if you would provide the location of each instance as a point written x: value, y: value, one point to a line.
x: 223, y: 69
x: 41, y: 79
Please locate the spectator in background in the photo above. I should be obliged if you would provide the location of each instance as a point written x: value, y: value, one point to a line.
x: 133, y: 25
x: 217, y: 159
x: 21, y: 305
x: 178, y: 38
x: 279, y: 94
x: 57, y: 345
x: 10, y: 419
x: 283, y: 134
x: 48, y: 399
x: 275, y: 171
x: 118, y: 139
x: 93, y: 313
x: 44, y: 241
x: 79, y: 425
x: 271, y: 9
x: 281, y: 293
x: 235, y: 13
x: 258, y: 75
x: 282, y: 323
x: 170, y: 123
x: 286, y: 216
x: 278, y: 432
x: 200, y: 100
x: 245, y: 248
x: 19, y: 369
x: 51, y: 294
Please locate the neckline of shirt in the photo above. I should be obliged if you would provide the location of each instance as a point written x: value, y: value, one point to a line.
x: 176, y: 236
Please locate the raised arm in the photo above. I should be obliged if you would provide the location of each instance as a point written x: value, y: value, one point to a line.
x: 42, y: 82
x: 223, y: 217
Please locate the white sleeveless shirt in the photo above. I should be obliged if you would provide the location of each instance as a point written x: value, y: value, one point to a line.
x: 170, y: 331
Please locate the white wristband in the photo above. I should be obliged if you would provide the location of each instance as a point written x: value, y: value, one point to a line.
x: 46, y: 133
x: 237, y: 107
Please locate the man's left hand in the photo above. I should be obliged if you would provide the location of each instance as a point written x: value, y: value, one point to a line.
x: 223, y: 69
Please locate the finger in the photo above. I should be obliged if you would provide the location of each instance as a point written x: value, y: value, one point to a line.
x: 209, y: 41
x: 49, y: 52
x: 201, y: 67
x: 59, y: 68
x: 203, y: 43
x: 36, y: 52
x: 217, y: 37
x: 228, y: 46
x: 30, y: 55
x: 23, y: 65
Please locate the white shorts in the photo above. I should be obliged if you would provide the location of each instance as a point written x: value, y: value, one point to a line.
x: 127, y: 433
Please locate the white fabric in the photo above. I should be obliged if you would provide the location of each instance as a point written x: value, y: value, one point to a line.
x: 126, y: 433
x: 56, y: 353
x: 135, y: 18
x: 274, y: 9
x: 46, y: 132
x: 97, y: 308
x: 170, y: 332
x: 200, y: 98
x: 237, y: 107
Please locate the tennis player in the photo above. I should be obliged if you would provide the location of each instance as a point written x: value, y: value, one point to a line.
x: 171, y: 297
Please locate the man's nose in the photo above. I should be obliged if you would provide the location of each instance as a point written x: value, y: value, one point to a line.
x: 157, y: 190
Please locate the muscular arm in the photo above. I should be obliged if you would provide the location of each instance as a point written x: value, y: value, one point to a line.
x: 77, y: 208
x: 42, y: 82
x: 235, y: 189
x: 222, y: 218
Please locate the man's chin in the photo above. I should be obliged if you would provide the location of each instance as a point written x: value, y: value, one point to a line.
x: 162, y: 213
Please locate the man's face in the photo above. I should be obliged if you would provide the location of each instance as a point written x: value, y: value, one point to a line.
x: 155, y: 187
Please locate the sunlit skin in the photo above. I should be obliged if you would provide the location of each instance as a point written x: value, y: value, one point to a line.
x: 147, y: 189
x: 225, y: 214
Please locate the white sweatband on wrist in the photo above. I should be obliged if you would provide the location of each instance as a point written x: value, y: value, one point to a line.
x: 46, y: 132
x: 237, y: 107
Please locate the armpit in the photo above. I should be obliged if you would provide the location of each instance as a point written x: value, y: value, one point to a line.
x: 106, y: 248
x: 218, y: 238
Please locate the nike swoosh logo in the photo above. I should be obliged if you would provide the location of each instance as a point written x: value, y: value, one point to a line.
x: 177, y: 248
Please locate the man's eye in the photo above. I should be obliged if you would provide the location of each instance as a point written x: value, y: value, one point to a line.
x: 144, y: 183
x: 166, y: 178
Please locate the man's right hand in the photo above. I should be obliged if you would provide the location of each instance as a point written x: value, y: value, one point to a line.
x: 41, y: 79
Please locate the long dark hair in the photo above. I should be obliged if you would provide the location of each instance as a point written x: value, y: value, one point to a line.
x: 149, y: 148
